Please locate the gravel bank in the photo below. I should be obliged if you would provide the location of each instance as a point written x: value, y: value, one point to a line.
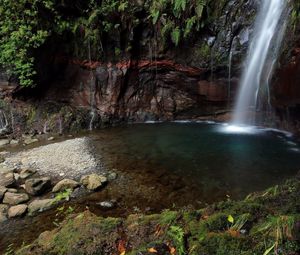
x: 71, y: 158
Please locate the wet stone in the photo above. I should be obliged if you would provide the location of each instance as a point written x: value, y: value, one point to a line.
x: 15, y: 198
x: 65, y: 184
x: 25, y: 173
x: 17, y: 211
x: 37, y: 186
x: 40, y: 205
x: 93, y: 181
x: 7, y: 180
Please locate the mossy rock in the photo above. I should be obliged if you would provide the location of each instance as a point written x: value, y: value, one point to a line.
x: 246, y: 227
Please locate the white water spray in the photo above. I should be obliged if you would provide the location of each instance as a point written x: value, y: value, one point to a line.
x: 268, y: 34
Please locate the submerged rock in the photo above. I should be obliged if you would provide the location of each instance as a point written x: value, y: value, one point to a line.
x: 111, y: 176
x: 40, y: 205
x: 17, y: 211
x: 107, y: 204
x: 93, y: 181
x: 15, y: 198
x: 65, y: 184
x: 37, y: 186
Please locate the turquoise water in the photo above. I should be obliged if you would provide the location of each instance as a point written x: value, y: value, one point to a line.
x: 212, y: 163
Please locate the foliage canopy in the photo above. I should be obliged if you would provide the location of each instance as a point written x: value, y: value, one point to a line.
x: 26, y: 25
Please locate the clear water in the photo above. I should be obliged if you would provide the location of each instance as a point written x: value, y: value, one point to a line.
x: 212, y: 163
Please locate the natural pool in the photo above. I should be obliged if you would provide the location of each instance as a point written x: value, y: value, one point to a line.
x: 212, y: 163
x: 172, y: 165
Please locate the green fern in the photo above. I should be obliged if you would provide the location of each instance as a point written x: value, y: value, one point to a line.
x: 176, y: 233
x: 175, y: 35
x: 166, y: 30
x: 179, y: 6
x: 200, y: 7
x: 155, y: 15
x: 189, y: 25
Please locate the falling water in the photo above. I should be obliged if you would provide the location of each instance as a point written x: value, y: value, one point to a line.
x: 268, y: 34
x: 229, y: 75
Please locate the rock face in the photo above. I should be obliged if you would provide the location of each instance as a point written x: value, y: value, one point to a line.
x: 37, y: 186
x: 93, y: 181
x: 40, y: 205
x: 65, y: 184
x: 15, y: 198
x: 146, y: 84
x: 17, y: 211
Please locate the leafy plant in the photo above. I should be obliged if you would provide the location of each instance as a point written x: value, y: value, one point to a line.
x: 9, y: 250
x: 278, y: 228
x: 176, y: 35
x: 63, y: 195
x: 62, y: 212
x: 176, y: 233
x: 240, y: 222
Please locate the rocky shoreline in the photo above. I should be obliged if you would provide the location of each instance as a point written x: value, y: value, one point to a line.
x: 39, y: 179
x: 71, y: 158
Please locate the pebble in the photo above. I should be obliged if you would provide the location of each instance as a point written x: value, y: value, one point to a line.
x: 70, y: 158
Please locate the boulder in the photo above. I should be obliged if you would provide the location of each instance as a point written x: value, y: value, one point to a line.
x: 93, y: 181
x: 14, y: 142
x: 30, y: 140
x: 4, y: 142
x: 111, y: 176
x: 7, y: 180
x: 16, y: 176
x: 12, y: 190
x: 6, y: 169
x: 37, y: 186
x: 65, y: 184
x: 17, y: 211
x: 15, y: 198
x: 3, y: 212
x: 2, y: 192
x: 40, y: 205
x: 25, y: 173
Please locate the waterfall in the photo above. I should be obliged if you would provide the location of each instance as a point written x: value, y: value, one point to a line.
x: 229, y: 76
x: 262, y: 56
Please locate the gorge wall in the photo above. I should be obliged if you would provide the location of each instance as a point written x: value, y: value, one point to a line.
x: 151, y: 80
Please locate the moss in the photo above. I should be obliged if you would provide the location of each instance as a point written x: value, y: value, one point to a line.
x: 168, y: 217
x: 224, y: 244
x: 203, y: 53
x: 259, y: 223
